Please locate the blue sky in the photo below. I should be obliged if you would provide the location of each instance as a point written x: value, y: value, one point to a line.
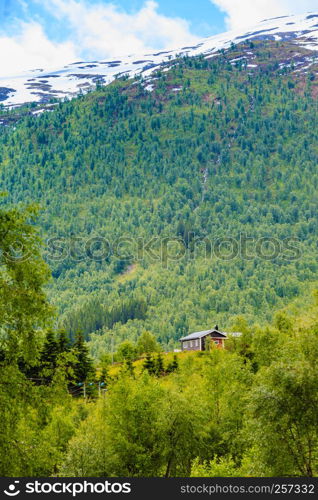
x: 204, y: 18
x: 50, y: 33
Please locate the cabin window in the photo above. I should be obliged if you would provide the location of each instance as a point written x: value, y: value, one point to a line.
x: 185, y: 344
x: 216, y: 342
x: 197, y: 342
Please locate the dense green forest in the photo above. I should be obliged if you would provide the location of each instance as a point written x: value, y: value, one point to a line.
x: 248, y: 410
x: 130, y: 218
x: 171, y: 210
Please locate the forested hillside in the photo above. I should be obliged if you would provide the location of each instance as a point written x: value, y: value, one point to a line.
x: 163, y: 209
x: 247, y: 410
x: 172, y: 208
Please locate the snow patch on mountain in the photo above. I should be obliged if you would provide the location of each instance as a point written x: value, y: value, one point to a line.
x: 42, y: 85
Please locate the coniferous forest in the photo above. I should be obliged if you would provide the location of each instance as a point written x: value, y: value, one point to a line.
x: 130, y: 218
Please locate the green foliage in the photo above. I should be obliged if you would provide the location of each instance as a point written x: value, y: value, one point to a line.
x: 103, y: 378
x: 215, y: 468
x: 23, y: 305
x: 159, y: 367
x: 164, y: 446
x: 126, y: 351
x: 284, y: 409
x: 147, y: 343
x: 49, y: 355
x: 63, y: 341
x: 84, y: 369
x: 35, y: 426
x: 149, y: 365
x: 232, y: 154
x: 173, y: 365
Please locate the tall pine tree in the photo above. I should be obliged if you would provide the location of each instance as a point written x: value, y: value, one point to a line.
x: 48, y: 358
x: 83, y: 369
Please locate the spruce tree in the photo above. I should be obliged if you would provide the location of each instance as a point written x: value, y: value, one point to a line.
x: 173, y: 365
x: 149, y: 365
x: 63, y: 341
x: 48, y: 358
x: 83, y: 369
x: 159, y: 368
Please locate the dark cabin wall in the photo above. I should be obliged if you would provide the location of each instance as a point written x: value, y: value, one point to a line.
x: 195, y: 346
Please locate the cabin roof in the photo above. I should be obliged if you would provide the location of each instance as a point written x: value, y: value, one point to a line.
x: 198, y: 335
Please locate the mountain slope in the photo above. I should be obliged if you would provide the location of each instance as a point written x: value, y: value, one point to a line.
x: 41, y: 85
x: 218, y: 161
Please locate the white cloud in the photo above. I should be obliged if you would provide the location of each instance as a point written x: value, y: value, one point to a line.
x: 32, y: 49
x: 242, y: 13
x: 94, y: 31
x: 103, y: 30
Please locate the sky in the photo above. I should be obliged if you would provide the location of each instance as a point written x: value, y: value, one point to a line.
x: 50, y: 33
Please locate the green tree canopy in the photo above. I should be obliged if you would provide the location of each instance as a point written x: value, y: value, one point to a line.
x: 24, y: 308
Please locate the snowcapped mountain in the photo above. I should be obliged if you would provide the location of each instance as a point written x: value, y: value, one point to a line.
x: 41, y: 85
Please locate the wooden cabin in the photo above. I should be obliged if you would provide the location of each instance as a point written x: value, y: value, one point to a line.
x: 198, y: 341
